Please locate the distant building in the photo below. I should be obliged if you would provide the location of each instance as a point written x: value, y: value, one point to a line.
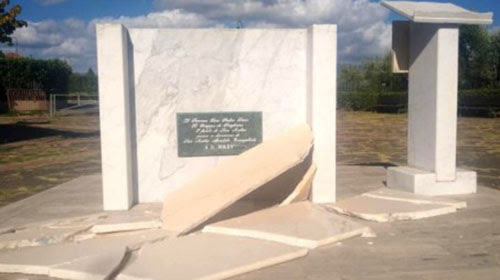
x: 12, y: 56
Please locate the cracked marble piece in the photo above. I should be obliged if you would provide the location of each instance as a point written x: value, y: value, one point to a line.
x: 303, y: 189
x: 40, y: 260
x: 215, y: 190
x: 47, y: 232
x: 385, y: 210
x: 116, y: 224
x: 394, y: 195
x: 302, y: 224
x: 206, y: 256
x: 100, y: 266
x: 37, y: 236
x: 243, y: 70
x: 140, y: 217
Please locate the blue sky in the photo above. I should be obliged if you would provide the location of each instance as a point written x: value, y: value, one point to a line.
x: 65, y: 29
x: 35, y: 10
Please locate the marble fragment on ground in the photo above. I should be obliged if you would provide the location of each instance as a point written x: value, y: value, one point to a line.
x: 388, y: 205
x: 46, y: 232
x: 394, y: 195
x: 140, y: 217
x: 80, y: 259
x: 206, y: 256
x: 37, y: 236
x: 100, y: 266
x: 302, y: 224
x: 303, y: 189
x: 215, y: 190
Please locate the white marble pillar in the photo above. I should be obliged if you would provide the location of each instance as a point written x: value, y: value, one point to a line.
x: 321, y: 103
x: 432, y: 115
x: 114, y: 103
x: 432, y: 107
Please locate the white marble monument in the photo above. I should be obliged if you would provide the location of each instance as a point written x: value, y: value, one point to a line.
x: 147, y: 76
x: 430, y: 52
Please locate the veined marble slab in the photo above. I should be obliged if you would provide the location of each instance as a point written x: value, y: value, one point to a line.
x: 150, y: 75
x: 209, y: 70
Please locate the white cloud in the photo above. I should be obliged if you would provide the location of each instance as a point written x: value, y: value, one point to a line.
x: 361, y: 26
x: 50, y: 2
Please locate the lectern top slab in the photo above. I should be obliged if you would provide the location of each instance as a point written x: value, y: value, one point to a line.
x: 431, y: 12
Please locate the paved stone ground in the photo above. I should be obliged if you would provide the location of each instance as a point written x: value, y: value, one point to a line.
x: 463, y: 245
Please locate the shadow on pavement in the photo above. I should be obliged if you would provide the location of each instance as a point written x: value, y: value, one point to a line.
x: 22, y: 131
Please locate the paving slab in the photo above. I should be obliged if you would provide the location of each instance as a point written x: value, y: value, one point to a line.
x: 40, y: 260
x: 394, y: 195
x: 217, y: 189
x: 303, y: 189
x: 302, y: 224
x: 100, y: 266
x: 140, y: 217
x: 206, y: 256
x: 384, y: 210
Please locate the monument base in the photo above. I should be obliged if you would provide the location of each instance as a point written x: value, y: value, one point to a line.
x: 424, y: 182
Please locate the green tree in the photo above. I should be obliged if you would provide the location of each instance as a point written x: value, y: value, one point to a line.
x: 83, y: 83
x: 2, y: 55
x: 495, y: 57
x: 476, y: 67
x: 374, y: 75
x: 9, y: 21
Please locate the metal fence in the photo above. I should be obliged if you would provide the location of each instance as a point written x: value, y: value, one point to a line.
x: 73, y: 103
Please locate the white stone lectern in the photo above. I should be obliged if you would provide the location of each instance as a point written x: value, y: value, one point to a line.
x: 427, y: 48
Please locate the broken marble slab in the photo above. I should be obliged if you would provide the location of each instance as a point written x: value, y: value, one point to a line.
x: 386, y: 210
x: 37, y: 236
x: 394, y: 195
x: 100, y: 266
x: 208, y: 194
x: 303, y: 189
x: 69, y: 258
x: 206, y: 256
x: 301, y: 224
x: 72, y: 222
x: 47, y: 232
x: 140, y: 217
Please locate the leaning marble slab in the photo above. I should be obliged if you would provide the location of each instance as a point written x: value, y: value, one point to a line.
x: 217, y: 189
x: 206, y: 256
x: 96, y: 258
x: 301, y: 224
x: 303, y: 189
x: 388, y: 205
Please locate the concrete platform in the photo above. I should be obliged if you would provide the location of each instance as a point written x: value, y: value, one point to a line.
x: 462, y: 245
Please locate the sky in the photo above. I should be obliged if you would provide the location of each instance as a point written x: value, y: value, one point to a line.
x: 65, y: 29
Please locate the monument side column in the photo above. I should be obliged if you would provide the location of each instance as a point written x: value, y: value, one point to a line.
x: 322, y: 104
x: 114, y: 95
x: 432, y: 106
